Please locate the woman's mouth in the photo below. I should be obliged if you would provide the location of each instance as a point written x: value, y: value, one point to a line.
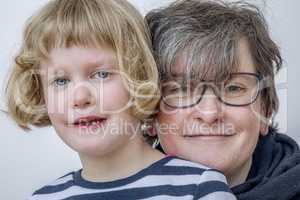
x: 211, y: 134
x: 219, y: 130
x: 207, y: 135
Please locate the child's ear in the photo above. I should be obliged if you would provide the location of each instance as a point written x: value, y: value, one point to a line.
x: 149, y: 126
x: 152, y: 127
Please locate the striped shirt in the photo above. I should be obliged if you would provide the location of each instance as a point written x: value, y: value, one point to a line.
x: 170, y: 178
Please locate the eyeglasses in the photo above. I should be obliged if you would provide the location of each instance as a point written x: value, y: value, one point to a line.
x: 241, y: 89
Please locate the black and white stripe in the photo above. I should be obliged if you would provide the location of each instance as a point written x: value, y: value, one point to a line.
x: 169, y: 178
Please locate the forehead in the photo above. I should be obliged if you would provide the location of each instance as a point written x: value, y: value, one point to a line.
x: 76, y: 56
x: 213, y: 68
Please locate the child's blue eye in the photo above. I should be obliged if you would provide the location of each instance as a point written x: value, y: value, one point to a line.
x: 101, y: 75
x: 61, y: 81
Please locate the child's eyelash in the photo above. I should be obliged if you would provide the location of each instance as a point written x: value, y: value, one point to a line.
x: 60, y: 81
x: 101, y: 74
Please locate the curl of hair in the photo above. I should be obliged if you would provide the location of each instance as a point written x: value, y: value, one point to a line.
x: 113, y: 24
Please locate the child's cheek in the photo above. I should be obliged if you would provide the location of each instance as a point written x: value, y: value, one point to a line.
x: 58, y: 102
x: 113, y: 98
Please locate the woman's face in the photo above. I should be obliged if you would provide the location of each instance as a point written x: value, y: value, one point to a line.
x: 212, y: 133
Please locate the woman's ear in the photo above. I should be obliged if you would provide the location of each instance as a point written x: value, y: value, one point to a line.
x: 264, y: 128
x: 265, y: 121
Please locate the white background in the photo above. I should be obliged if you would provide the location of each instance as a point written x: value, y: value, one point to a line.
x: 30, y: 160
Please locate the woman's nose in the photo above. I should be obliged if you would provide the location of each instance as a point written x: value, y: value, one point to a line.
x: 82, y: 96
x: 209, y: 108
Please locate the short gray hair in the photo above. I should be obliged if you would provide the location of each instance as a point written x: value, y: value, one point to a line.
x: 207, y: 33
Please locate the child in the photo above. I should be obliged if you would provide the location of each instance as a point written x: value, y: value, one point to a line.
x: 85, y: 67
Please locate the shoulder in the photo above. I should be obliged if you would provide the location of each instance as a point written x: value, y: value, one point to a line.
x: 58, y: 185
x: 186, y: 165
x: 286, y: 139
x: 180, y: 162
x: 210, y: 183
x: 195, y: 179
x: 189, y: 171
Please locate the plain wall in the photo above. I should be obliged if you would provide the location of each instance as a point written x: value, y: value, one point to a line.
x: 30, y: 160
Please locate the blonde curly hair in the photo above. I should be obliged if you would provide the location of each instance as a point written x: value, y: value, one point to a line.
x: 113, y: 24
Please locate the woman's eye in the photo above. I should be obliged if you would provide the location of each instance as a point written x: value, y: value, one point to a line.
x: 60, y: 81
x: 101, y: 75
x: 171, y: 90
x: 234, y: 88
x: 174, y: 90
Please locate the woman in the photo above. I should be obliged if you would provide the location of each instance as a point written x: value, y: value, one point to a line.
x: 217, y: 64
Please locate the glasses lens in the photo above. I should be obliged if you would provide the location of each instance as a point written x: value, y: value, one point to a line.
x: 241, y: 89
x: 181, y: 94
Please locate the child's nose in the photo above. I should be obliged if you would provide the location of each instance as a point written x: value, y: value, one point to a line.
x: 83, y: 97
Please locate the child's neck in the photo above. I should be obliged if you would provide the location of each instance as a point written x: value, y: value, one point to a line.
x: 132, y: 158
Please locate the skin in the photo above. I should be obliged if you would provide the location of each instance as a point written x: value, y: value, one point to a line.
x: 79, y: 82
x: 238, y: 129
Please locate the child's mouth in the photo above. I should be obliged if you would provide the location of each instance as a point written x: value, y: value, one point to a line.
x: 89, y: 122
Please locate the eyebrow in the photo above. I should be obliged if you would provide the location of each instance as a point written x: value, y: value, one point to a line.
x: 103, y: 62
x: 92, y: 64
x: 56, y: 74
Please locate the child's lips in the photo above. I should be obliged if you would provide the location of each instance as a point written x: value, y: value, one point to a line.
x: 89, y: 121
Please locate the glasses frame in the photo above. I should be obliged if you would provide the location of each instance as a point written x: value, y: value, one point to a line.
x: 259, y: 77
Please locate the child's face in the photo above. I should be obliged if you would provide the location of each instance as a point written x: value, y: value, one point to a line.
x: 87, y: 100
